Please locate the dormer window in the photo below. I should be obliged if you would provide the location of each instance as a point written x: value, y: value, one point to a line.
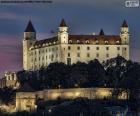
x: 97, y: 42
x: 117, y: 42
x: 70, y: 41
x: 87, y: 41
x: 106, y: 42
x: 78, y: 41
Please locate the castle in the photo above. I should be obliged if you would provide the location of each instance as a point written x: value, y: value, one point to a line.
x: 70, y: 49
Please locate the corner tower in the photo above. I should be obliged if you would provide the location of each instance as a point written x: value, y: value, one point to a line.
x: 63, y: 32
x: 28, y: 40
x: 124, y: 34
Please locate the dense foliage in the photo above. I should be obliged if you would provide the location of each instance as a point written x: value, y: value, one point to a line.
x: 116, y: 72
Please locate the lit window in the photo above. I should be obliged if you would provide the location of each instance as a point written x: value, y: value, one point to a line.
x: 87, y: 41
x: 107, y: 55
x: 97, y: 42
x: 78, y: 41
x: 70, y: 41
x: 106, y: 42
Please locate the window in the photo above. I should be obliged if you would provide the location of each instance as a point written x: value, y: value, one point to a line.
x: 106, y: 42
x: 56, y: 55
x: 68, y: 54
x: 39, y: 58
x: 52, y: 49
x: 125, y: 49
x: 88, y: 54
x: 87, y: 41
x: 107, y: 48
x: 78, y: 54
x: 97, y: 48
x: 70, y: 41
x: 35, y: 59
x: 97, y: 42
x: 46, y: 57
x: 88, y: 48
x: 78, y: 48
x: 118, y: 54
x: 42, y: 58
x: 69, y: 47
x: 39, y: 52
x: 69, y: 61
x: 118, y: 48
x: 78, y: 41
x: 97, y: 55
x: 46, y: 50
x: 107, y: 55
x: 35, y: 52
x: 42, y: 51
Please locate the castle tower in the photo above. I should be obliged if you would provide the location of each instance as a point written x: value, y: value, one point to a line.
x: 124, y: 33
x: 28, y: 40
x: 63, y: 32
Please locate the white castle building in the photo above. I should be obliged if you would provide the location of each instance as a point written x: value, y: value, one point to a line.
x: 70, y: 49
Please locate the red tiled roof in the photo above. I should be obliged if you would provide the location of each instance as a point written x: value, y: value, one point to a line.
x: 41, y: 42
x: 112, y: 39
x: 84, y: 39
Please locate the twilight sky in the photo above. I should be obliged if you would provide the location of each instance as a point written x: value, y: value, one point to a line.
x: 82, y: 17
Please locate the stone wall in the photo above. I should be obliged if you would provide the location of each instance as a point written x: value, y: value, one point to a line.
x: 26, y: 100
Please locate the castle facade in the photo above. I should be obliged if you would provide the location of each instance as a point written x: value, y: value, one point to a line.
x: 70, y: 49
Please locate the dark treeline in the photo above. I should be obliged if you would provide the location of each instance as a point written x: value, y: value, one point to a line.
x: 116, y: 72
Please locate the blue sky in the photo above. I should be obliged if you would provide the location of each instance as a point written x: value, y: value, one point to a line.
x: 82, y: 17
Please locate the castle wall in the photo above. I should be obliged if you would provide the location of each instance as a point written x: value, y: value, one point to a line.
x: 26, y: 100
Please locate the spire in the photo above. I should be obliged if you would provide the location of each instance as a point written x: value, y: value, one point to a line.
x: 124, y: 24
x: 101, y: 32
x: 63, y: 23
x: 30, y: 27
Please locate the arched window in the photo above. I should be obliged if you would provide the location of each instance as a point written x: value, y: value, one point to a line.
x: 106, y: 42
x: 78, y: 41
x: 70, y: 41
x: 87, y: 41
x: 97, y: 42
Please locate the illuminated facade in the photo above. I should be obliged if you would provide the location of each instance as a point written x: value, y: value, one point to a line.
x: 26, y: 101
x: 70, y: 49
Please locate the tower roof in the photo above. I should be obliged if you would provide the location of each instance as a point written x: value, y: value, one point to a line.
x: 124, y: 24
x: 101, y: 32
x: 30, y: 27
x: 63, y: 23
